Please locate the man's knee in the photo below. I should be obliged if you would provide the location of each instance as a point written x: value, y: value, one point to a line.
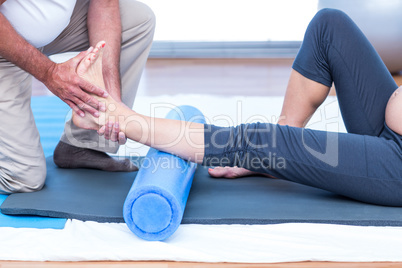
x: 35, y: 180
x: 24, y: 180
x: 134, y: 14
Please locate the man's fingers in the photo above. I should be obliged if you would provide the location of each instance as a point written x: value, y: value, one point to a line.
x: 75, y: 108
x: 87, y: 108
x: 83, y: 102
x: 108, y: 130
x: 92, y: 101
x: 101, y: 131
x: 111, y: 131
x: 91, y: 88
x: 115, y: 132
x: 96, y: 104
x: 122, y: 138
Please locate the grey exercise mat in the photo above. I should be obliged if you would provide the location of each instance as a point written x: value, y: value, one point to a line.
x: 86, y: 194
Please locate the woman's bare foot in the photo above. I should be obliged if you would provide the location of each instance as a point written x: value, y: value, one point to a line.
x: 233, y: 172
x: 69, y: 156
x: 90, y: 68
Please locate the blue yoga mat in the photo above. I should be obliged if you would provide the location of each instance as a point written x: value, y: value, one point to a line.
x: 96, y: 195
x: 29, y: 221
x: 154, y: 207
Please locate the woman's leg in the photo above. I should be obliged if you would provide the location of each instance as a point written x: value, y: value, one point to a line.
x: 362, y: 167
x: 303, y: 96
x: 334, y: 50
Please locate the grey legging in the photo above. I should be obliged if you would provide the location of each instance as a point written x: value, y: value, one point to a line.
x: 364, y: 164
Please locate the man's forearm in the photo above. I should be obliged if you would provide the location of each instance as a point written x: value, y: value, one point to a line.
x: 104, y: 24
x: 17, y: 50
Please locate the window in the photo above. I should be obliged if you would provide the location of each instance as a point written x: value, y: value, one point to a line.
x: 232, y: 20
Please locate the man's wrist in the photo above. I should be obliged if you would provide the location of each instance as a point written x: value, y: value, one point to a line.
x: 46, y: 75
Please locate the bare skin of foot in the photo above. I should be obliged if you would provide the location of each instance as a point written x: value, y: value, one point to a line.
x: 69, y: 156
x: 90, y: 69
x: 116, y: 113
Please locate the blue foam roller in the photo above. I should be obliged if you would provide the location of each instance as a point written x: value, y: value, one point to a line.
x: 155, y: 204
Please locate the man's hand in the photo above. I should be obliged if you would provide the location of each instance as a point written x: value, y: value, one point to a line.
x: 112, y: 132
x: 64, y: 82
